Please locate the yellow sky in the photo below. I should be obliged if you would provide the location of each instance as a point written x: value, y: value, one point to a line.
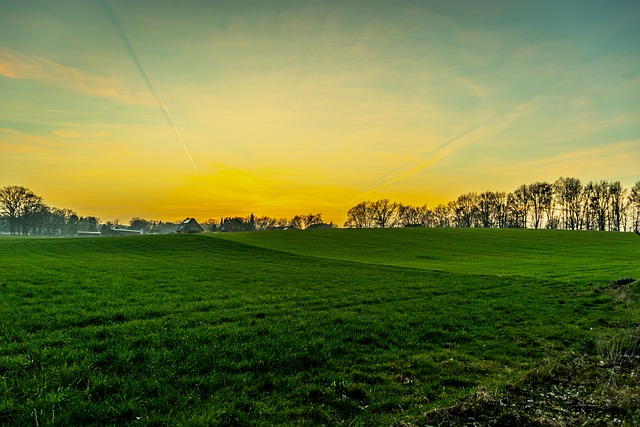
x: 292, y: 107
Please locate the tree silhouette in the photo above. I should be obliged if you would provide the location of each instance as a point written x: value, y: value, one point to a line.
x: 20, y: 205
x: 360, y: 216
x: 385, y: 213
x: 634, y: 199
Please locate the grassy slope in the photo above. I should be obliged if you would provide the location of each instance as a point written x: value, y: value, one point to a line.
x: 557, y: 255
x: 369, y: 326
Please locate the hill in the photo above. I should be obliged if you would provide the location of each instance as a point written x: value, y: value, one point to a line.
x: 375, y: 327
x: 553, y: 254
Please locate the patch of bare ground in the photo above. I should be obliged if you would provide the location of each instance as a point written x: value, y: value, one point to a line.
x: 601, y: 389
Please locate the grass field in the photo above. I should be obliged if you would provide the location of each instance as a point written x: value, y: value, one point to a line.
x: 326, y: 327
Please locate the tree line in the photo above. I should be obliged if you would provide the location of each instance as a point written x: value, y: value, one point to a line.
x: 565, y: 204
x: 237, y: 223
x: 262, y: 223
x: 23, y: 212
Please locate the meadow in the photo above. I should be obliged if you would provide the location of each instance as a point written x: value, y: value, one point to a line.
x: 316, y: 327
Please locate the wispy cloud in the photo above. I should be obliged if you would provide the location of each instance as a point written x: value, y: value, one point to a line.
x: 613, y: 161
x: 70, y: 134
x: 477, y: 90
x: 17, y: 65
x: 15, y: 141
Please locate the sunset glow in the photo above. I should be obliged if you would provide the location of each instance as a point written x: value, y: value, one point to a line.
x: 206, y: 109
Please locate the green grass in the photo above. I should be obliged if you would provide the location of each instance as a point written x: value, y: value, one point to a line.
x: 555, y: 254
x: 359, y: 327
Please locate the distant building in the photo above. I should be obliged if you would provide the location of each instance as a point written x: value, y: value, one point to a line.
x: 164, y: 228
x: 124, y: 232
x: 189, y: 226
x: 89, y: 234
x: 319, y: 226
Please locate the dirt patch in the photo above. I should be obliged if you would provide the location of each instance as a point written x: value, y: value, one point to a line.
x: 572, y: 390
x: 617, y: 284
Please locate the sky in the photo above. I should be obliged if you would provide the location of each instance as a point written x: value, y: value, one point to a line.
x: 207, y: 109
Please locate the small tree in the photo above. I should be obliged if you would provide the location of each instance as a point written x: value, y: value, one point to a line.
x: 137, y: 223
x: 211, y: 224
x: 89, y: 223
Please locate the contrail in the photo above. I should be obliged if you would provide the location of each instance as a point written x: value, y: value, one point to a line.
x: 450, y: 146
x: 439, y: 154
x: 423, y: 165
x: 134, y: 57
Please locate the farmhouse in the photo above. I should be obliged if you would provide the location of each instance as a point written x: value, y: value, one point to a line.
x: 189, y: 226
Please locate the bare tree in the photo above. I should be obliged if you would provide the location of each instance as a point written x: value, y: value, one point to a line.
x: 38, y: 220
x: 492, y: 209
x: 265, y: 223
x: 298, y: 222
x: 500, y: 209
x: 617, y: 196
x: 518, y: 207
x: 301, y: 222
x: 268, y: 223
x: 414, y: 216
x: 57, y: 222
x: 598, y: 197
x: 13, y: 200
x: 33, y: 210
x: 385, y: 213
x: 232, y: 224
x: 485, y: 209
x: 406, y: 215
x: 568, y: 196
x: 442, y: 216
x: 313, y: 219
x: 69, y: 222
x: 360, y: 216
x: 138, y: 223
x: 88, y: 223
x: 425, y: 216
x: 22, y: 207
x: 541, y: 198
x: 634, y: 200
x: 466, y: 209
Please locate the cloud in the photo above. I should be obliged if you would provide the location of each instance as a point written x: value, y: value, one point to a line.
x: 16, y: 65
x: 478, y: 91
x: 580, y: 102
x: 612, y: 161
x: 69, y: 134
x: 16, y: 141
